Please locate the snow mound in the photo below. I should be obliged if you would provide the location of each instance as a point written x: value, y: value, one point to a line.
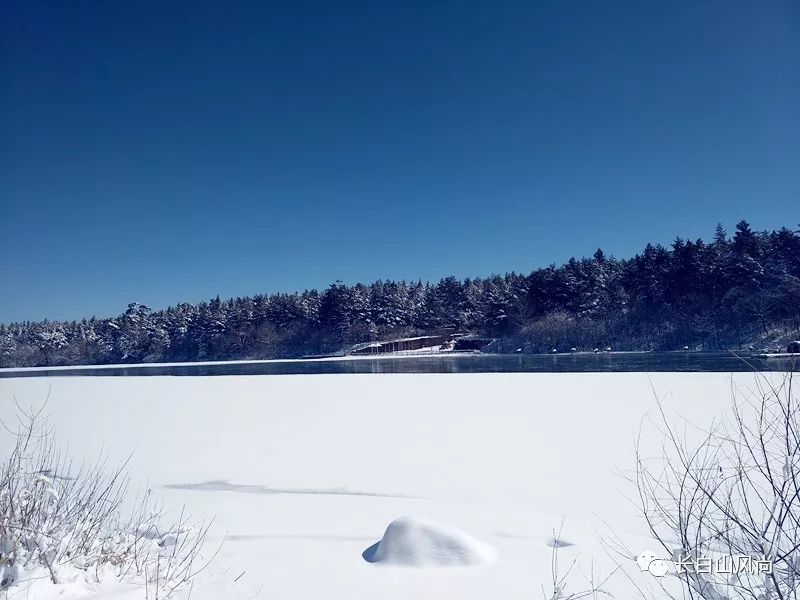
x: 416, y: 542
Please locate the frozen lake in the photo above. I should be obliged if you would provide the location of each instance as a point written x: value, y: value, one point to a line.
x: 632, y: 362
x: 303, y: 474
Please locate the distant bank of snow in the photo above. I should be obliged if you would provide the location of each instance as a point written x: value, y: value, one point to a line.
x: 152, y: 365
x: 207, y: 363
x: 422, y: 352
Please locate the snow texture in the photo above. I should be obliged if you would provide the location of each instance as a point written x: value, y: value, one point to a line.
x: 415, y: 542
x: 302, y: 473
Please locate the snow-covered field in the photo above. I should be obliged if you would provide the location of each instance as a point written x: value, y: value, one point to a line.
x: 303, y: 474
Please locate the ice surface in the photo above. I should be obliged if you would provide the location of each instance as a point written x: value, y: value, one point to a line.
x: 301, y: 473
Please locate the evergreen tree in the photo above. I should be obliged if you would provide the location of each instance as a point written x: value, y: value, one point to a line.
x: 725, y: 294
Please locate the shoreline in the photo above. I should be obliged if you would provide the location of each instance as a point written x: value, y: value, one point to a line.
x: 391, y: 356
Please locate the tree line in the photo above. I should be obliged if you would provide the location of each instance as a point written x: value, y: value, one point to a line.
x: 730, y: 293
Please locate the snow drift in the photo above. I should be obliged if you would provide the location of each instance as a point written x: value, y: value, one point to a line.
x: 416, y: 542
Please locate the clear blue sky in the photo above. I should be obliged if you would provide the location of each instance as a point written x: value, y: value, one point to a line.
x: 167, y: 151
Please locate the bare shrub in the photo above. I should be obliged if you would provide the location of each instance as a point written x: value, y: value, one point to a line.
x: 733, y: 493
x: 559, y: 588
x: 59, y: 517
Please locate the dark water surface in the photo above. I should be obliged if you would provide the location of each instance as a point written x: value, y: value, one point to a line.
x: 469, y: 363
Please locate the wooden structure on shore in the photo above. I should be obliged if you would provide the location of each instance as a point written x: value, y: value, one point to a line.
x: 401, y: 345
x: 438, y: 343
